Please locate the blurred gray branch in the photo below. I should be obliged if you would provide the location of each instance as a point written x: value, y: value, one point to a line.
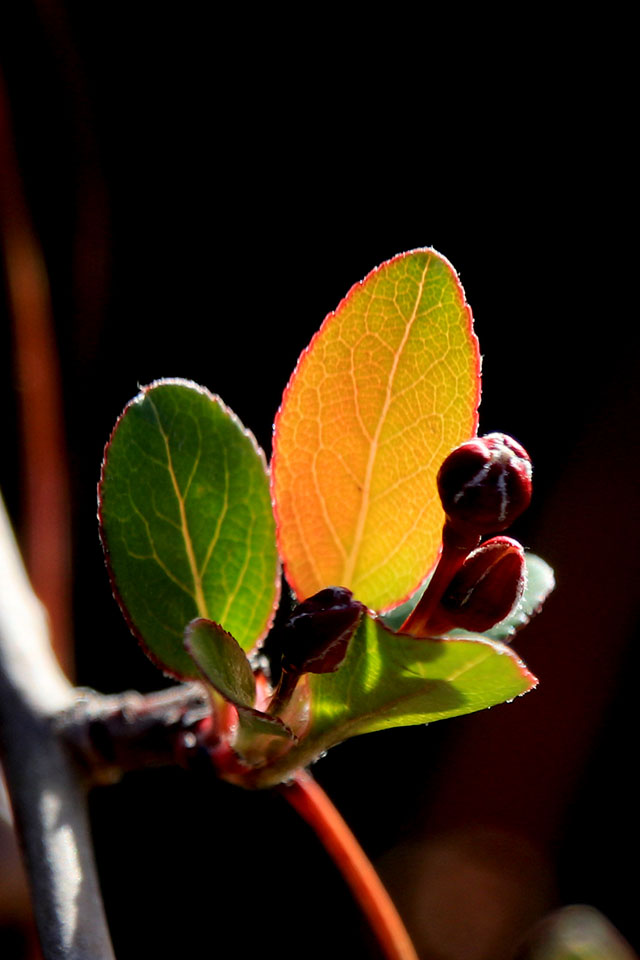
x: 47, y: 792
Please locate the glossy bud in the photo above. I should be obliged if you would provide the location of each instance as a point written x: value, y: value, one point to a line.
x: 485, y: 589
x: 485, y: 484
x: 318, y: 632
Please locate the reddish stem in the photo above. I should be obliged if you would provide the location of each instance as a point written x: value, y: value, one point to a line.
x: 309, y: 799
x: 456, y: 546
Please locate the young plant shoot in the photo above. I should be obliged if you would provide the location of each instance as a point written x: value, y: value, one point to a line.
x: 377, y: 502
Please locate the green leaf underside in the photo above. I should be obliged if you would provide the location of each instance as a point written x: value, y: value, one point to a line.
x: 540, y: 583
x: 186, y: 521
x: 386, y: 389
x: 390, y: 680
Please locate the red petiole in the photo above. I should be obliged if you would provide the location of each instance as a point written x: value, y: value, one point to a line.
x: 309, y: 799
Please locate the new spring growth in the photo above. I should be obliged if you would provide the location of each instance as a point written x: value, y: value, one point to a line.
x: 194, y: 525
x: 484, y: 485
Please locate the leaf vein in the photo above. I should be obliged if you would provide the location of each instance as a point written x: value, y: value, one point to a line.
x: 197, y: 582
x: 221, y: 517
x: 154, y: 556
x: 351, y: 559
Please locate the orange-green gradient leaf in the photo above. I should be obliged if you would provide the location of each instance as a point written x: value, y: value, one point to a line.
x: 387, y: 387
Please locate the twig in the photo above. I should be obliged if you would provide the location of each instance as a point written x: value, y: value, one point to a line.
x: 49, y: 801
x: 111, y: 735
x: 309, y: 799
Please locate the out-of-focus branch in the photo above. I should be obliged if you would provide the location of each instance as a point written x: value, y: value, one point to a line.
x: 49, y: 801
x: 46, y: 485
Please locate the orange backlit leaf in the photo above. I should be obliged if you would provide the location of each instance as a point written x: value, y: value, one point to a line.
x: 387, y: 387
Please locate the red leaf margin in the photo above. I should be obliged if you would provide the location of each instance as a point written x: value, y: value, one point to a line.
x: 142, y: 390
x: 299, y: 367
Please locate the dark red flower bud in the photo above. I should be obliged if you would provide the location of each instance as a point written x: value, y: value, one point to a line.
x: 317, y: 634
x: 485, y: 589
x: 485, y: 483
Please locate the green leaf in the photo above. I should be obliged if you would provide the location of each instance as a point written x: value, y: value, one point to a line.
x: 224, y: 665
x: 256, y: 723
x: 577, y: 932
x: 186, y: 521
x: 387, y: 388
x: 222, y: 661
x: 390, y: 680
x: 540, y: 583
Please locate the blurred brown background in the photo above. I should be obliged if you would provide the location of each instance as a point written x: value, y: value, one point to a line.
x: 204, y: 192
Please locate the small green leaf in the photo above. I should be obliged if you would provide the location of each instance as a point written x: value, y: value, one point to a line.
x: 540, y: 583
x: 222, y: 661
x: 256, y: 723
x: 186, y: 521
x: 390, y: 680
x: 224, y: 665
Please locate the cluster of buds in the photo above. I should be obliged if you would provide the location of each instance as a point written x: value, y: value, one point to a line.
x: 484, y: 485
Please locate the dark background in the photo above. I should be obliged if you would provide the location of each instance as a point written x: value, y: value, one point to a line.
x: 205, y: 192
